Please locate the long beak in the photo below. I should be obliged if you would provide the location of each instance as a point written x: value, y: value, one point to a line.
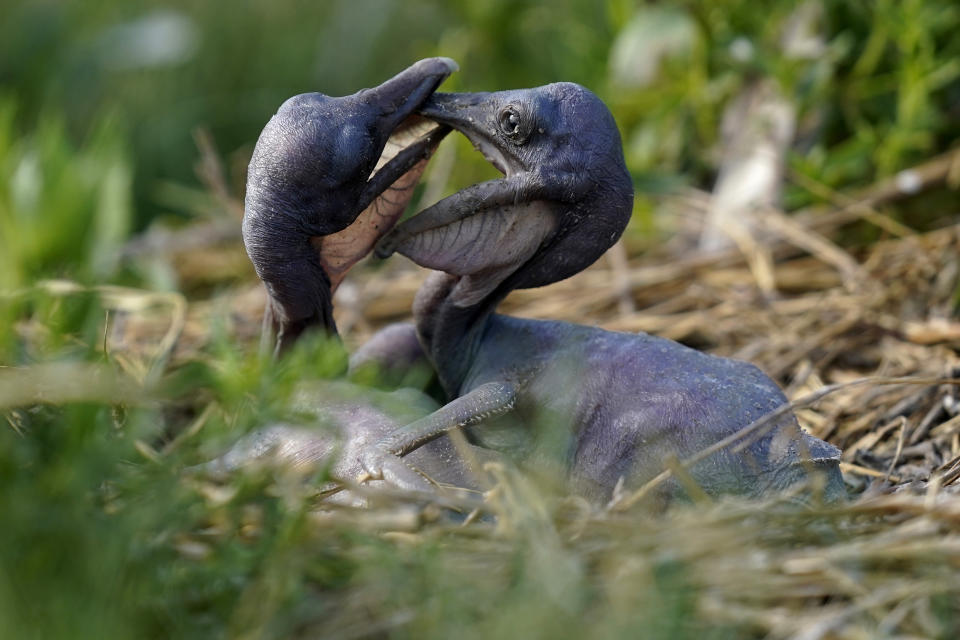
x: 402, y: 94
x: 472, y: 114
x: 465, y: 112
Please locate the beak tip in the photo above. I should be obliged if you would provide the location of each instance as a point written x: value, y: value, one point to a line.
x: 450, y: 63
x: 384, y: 249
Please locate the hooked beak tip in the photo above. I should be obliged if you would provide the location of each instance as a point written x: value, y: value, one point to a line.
x: 385, y: 248
x: 450, y: 63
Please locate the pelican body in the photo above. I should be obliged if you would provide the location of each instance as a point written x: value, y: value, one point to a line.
x: 607, y: 407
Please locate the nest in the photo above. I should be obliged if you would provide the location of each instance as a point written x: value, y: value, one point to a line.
x: 827, y: 317
x: 864, y: 341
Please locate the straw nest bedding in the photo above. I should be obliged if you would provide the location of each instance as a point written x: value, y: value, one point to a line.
x: 812, y: 314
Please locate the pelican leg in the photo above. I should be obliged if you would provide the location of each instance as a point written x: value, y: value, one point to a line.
x: 486, y: 401
x: 378, y: 464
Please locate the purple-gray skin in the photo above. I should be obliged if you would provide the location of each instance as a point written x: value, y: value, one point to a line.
x: 608, y: 407
x: 312, y: 207
x: 328, y: 177
x: 352, y: 420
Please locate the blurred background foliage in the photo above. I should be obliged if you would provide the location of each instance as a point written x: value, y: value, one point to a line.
x: 876, y: 84
x: 99, y: 104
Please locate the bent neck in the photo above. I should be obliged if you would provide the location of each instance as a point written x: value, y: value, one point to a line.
x: 451, y: 334
x: 300, y: 297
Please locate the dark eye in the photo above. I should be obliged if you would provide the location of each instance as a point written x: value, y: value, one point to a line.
x: 514, y: 123
x: 509, y: 121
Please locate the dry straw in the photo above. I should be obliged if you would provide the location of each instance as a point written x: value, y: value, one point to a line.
x: 863, y: 339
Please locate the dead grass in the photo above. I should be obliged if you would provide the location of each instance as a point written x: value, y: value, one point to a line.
x: 810, y: 313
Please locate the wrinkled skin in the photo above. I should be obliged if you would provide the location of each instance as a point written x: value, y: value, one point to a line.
x: 605, y: 406
x: 630, y: 401
x: 564, y: 200
x: 312, y: 210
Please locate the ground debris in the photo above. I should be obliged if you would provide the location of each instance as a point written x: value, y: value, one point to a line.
x: 885, y: 564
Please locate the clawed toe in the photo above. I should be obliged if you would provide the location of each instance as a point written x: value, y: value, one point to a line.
x: 378, y: 464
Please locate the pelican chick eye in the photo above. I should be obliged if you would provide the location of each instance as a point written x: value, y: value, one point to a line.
x: 509, y: 121
x: 513, y: 124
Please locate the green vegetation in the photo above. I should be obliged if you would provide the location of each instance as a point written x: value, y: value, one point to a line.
x: 101, y: 535
x: 876, y: 83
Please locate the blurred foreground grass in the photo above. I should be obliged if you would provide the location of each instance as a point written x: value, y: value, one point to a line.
x: 107, y: 393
